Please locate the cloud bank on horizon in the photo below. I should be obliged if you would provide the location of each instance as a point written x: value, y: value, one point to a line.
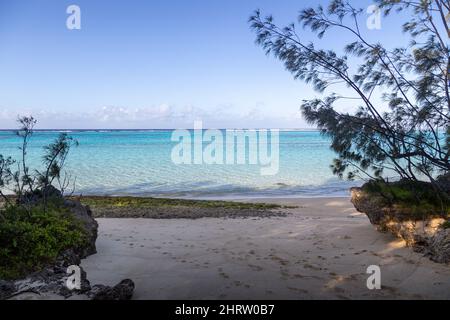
x: 163, y: 116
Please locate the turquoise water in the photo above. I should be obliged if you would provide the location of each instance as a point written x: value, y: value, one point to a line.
x: 140, y: 163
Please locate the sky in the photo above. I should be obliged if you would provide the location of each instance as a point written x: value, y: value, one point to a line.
x: 151, y: 64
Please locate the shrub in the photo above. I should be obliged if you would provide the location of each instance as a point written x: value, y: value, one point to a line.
x: 418, y: 197
x: 30, y: 240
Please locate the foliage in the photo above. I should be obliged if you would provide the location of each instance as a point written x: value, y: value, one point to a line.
x: 36, y: 228
x: 406, y: 191
x: 408, y: 131
x: 25, y: 182
x: 29, y: 240
x: 419, y: 197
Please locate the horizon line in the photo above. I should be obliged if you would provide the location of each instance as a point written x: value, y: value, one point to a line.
x: 166, y: 129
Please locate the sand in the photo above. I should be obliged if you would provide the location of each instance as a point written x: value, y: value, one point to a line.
x: 321, y: 250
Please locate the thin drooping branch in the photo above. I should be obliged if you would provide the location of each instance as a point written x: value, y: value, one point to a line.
x: 410, y: 137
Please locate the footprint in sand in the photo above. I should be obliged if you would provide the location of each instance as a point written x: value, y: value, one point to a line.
x: 298, y: 290
x: 255, y: 268
x: 280, y: 260
x: 310, y: 266
x: 223, y: 274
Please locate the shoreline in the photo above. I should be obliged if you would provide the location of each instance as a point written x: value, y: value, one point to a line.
x: 319, y: 250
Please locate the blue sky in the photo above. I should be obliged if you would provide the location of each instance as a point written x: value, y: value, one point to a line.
x: 150, y: 64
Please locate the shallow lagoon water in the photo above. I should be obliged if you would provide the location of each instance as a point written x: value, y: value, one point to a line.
x: 140, y: 163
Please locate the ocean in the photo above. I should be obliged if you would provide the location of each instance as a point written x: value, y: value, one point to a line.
x: 140, y: 163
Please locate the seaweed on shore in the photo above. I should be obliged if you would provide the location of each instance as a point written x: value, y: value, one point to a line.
x: 163, y: 208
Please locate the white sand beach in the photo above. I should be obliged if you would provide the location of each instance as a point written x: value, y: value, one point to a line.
x: 320, y: 251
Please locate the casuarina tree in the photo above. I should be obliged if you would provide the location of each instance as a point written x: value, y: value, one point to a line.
x: 400, y: 121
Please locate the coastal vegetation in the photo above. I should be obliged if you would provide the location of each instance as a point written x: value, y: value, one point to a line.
x: 35, y: 224
x: 33, y: 238
x: 416, y: 197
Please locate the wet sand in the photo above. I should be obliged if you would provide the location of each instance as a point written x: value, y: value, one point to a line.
x: 321, y: 250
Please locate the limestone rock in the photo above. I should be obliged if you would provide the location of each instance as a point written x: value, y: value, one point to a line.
x: 424, y: 234
x: 438, y: 247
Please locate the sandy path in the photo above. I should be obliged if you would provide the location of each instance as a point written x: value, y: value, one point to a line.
x: 322, y: 250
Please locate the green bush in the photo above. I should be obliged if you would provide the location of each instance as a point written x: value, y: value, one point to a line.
x: 29, y: 240
x: 420, y: 198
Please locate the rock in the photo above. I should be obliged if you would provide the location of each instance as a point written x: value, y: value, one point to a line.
x: 84, y: 214
x: 373, y: 207
x: 438, y: 247
x: 423, y: 233
x: 122, y: 291
x: 7, y: 288
x: 51, y: 284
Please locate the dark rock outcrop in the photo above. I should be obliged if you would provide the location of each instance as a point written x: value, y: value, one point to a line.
x: 7, y: 288
x: 50, y: 284
x: 122, y: 291
x: 84, y: 215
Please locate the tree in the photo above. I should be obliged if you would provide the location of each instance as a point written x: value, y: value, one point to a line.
x: 27, y: 184
x: 6, y: 175
x: 54, y: 160
x: 407, y: 131
x: 22, y: 176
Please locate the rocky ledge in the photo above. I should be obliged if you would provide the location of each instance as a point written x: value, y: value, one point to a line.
x: 423, y: 232
x: 51, y: 283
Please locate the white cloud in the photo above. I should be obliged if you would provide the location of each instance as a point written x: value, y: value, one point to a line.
x: 154, y: 117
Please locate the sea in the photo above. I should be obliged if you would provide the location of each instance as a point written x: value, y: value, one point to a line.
x: 141, y: 163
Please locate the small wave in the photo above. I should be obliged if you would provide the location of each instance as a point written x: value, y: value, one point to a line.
x: 209, y: 190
